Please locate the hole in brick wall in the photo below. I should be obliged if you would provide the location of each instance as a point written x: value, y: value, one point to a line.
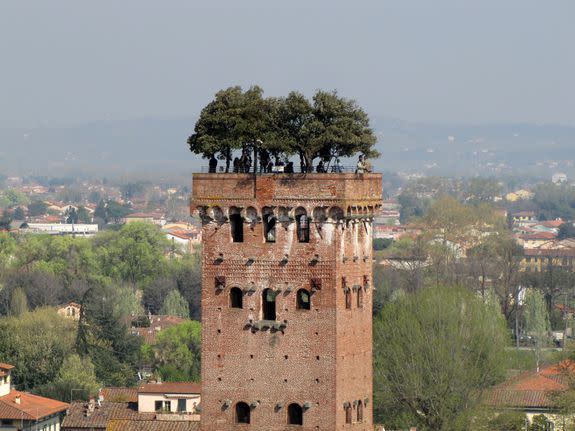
x: 295, y: 414
x: 219, y: 331
x: 236, y: 298
x: 302, y: 225
x: 251, y: 356
x: 317, y: 333
x: 237, y: 227
x: 303, y: 300
x: 269, y: 304
x: 317, y: 380
x: 317, y: 357
x: 285, y: 380
x: 286, y: 356
x: 242, y: 413
x: 219, y: 379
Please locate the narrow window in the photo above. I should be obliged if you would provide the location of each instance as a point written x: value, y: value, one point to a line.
x: 295, y: 414
x: 347, y: 413
x: 237, y: 227
x: 360, y: 412
x: 158, y: 405
x: 269, y: 304
x: 359, y: 297
x: 220, y: 282
x: 181, y: 405
x: 303, y: 300
x: 302, y: 225
x: 236, y: 298
x: 242, y: 413
x: 366, y: 281
x: 167, y: 406
x: 269, y: 221
x: 347, y: 292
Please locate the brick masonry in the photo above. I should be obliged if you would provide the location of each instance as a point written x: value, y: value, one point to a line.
x: 322, y: 358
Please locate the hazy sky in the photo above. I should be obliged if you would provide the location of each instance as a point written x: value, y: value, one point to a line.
x: 72, y: 61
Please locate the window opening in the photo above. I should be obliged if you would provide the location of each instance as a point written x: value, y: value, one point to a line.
x: 220, y: 282
x: 181, y: 405
x: 348, y: 413
x: 347, y: 292
x: 236, y: 298
x: 269, y: 227
x: 302, y: 224
x: 158, y: 405
x: 242, y: 413
x: 237, y: 227
x: 295, y: 414
x: 303, y: 300
x: 359, y: 297
x: 360, y: 412
x: 269, y: 304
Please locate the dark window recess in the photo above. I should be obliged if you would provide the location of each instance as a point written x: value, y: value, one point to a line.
x: 360, y: 412
x: 366, y: 281
x: 236, y: 298
x: 269, y: 227
x: 220, y: 282
x: 347, y: 292
x: 242, y: 413
x: 237, y: 227
x: 295, y: 414
x: 303, y: 300
x: 359, y: 297
x: 158, y: 406
x: 315, y: 284
x: 269, y: 304
x: 302, y: 224
x: 348, y: 413
x: 181, y: 404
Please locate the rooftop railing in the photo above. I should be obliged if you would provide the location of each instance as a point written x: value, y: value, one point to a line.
x: 281, y: 170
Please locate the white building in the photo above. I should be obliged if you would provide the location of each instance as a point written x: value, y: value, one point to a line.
x: 62, y: 229
x: 170, y: 397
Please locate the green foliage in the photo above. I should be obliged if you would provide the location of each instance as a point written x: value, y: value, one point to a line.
x: 83, y: 215
x: 381, y: 243
x: 7, y: 249
x: 76, y: 380
x: 36, y: 343
x: 555, y: 201
x: 411, y: 207
x: 480, y: 189
x: 176, y: 305
x: 18, y: 302
x: 508, y: 421
x: 566, y: 230
x: 536, y: 321
x: 71, y: 216
x: 18, y: 214
x: 133, y: 254
x: 540, y: 423
x: 434, y: 352
x: 11, y: 198
x: 103, y: 336
x: 177, y: 352
x: 329, y: 127
x: 131, y: 190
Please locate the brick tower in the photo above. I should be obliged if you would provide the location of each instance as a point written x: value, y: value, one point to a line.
x: 286, y: 300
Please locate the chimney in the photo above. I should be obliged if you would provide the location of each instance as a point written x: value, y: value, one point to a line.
x: 18, y: 399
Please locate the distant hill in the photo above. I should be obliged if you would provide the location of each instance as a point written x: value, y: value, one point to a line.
x: 158, y: 145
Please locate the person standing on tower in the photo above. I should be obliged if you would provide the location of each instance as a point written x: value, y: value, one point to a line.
x: 213, y: 164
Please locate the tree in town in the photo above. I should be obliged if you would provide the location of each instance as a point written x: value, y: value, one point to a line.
x: 536, y: 322
x: 71, y: 216
x: 37, y: 208
x: 83, y: 215
x: 103, y: 336
x: 177, y: 352
x: 435, y: 351
x: 18, y: 214
x: 18, y: 302
x: 36, y: 343
x: 76, y: 380
x: 175, y: 305
x: 566, y: 230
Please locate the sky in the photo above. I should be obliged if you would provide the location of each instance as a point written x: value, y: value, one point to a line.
x: 68, y: 62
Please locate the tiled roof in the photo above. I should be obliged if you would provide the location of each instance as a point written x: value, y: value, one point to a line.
x: 550, y: 252
x: 532, y: 389
x: 99, y: 418
x: 170, y: 388
x: 31, y: 407
x: 5, y: 366
x: 120, y: 395
x: 128, y: 425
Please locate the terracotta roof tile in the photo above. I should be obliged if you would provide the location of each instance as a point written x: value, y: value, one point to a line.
x: 77, y: 418
x: 31, y: 407
x: 157, y: 425
x: 120, y: 395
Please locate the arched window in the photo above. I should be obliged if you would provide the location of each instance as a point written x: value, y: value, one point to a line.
x: 236, y: 298
x: 295, y: 414
x: 242, y: 413
x: 360, y: 412
x: 303, y: 300
x: 236, y: 225
x: 359, y: 297
x: 269, y: 220
x: 269, y: 304
x: 347, y: 413
x: 302, y: 225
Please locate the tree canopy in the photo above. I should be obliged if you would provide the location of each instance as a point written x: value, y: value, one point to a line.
x: 328, y: 126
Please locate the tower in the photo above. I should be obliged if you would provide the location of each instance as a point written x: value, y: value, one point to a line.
x: 286, y: 300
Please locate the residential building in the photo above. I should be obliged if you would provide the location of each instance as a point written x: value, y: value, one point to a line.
x: 154, y: 218
x: 286, y: 300
x: 535, y: 393
x: 169, y: 397
x: 523, y: 217
x: 157, y: 324
x: 21, y: 411
x: 62, y: 229
x: 71, y: 310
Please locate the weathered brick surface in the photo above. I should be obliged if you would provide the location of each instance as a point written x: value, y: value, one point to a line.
x: 323, y: 356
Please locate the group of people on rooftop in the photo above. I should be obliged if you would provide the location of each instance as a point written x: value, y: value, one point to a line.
x: 243, y: 164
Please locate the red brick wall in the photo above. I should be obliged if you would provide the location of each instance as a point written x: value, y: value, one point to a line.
x: 323, y: 356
